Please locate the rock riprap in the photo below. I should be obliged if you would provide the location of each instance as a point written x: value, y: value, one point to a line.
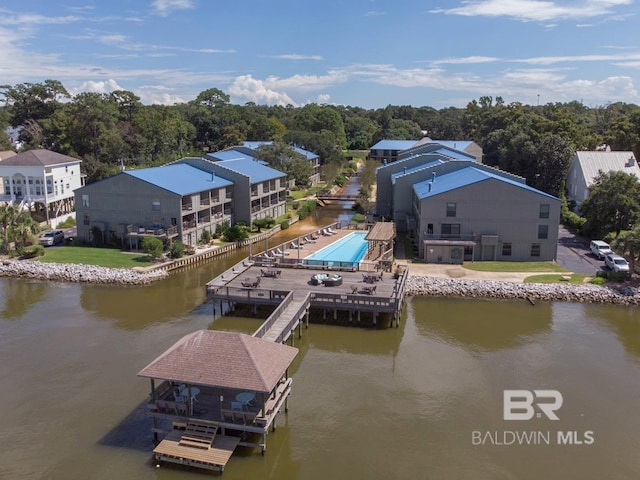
x: 77, y: 273
x: 565, y: 292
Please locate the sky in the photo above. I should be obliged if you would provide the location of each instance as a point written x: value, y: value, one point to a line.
x: 359, y: 53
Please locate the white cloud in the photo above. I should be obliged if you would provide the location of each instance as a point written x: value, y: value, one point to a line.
x: 323, y: 99
x: 534, y: 10
x: 165, y: 7
x: 296, y: 56
x: 247, y: 89
x: 466, y: 60
x: 103, y: 86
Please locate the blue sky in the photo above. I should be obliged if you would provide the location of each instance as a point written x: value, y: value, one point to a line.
x: 366, y: 53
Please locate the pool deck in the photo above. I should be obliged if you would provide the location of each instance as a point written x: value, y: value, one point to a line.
x: 260, y: 281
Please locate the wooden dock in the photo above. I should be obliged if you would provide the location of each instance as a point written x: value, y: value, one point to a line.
x: 198, y: 445
x: 292, y: 292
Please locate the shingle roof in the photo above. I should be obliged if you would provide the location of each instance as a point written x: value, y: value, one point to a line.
x: 4, y: 154
x: 180, y: 178
x: 592, y: 162
x: 394, y: 145
x: 37, y: 158
x: 224, y: 359
x: 463, y: 178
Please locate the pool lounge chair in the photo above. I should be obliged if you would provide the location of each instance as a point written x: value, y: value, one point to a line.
x: 295, y: 245
x: 332, y: 232
x: 279, y: 250
x: 309, y: 240
x: 326, y: 232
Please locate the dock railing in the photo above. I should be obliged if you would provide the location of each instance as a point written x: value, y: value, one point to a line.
x: 268, y: 323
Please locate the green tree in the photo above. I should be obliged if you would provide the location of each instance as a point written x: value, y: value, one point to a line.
x: 628, y: 243
x: 613, y: 203
x: 235, y: 233
x: 152, y: 246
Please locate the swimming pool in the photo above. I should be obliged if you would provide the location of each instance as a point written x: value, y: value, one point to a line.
x: 346, y: 252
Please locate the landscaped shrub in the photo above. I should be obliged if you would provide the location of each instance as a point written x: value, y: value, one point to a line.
x: 284, y: 224
x: 597, y: 281
x: 67, y: 223
x: 152, y: 246
x: 177, y: 249
x: 30, y: 251
x: 206, y: 237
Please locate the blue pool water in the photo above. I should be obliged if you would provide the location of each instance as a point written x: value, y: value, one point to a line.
x: 348, y: 251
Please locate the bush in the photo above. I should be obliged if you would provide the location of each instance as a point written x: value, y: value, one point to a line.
x: 177, y: 249
x: 284, y: 224
x: 597, y: 281
x: 68, y: 223
x: 152, y: 246
x: 31, y: 252
x: 205, y: 238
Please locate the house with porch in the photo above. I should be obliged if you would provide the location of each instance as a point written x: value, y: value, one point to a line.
x: 474, y: 213
x: 586, y: 165
x: 260, y: 191
x: 173, y: 202
x: 212, y: 391
x: 41, y: 180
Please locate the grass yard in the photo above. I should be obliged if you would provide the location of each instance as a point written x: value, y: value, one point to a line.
x: 515, y: 267
x: 574, y: 279
x: 103, y: 257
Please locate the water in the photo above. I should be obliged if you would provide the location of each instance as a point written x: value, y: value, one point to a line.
x: 348, y: 249
x: 392, y: 403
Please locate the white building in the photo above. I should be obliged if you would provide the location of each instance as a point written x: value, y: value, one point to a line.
x: 41, y: 180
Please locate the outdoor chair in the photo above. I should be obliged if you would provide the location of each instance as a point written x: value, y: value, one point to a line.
x: 279, y: 250
x: 309, y: 240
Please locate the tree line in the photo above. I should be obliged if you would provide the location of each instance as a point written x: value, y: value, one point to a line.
x: 108, y: 130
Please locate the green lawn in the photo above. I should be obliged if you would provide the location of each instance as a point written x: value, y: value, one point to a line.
x: 575, y: 279
x: 104, y: 257
x: 514, y: 267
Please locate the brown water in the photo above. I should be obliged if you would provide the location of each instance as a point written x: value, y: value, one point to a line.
x: 393, y: 403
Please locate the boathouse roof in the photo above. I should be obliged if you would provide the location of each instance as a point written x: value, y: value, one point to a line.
x: 224, y: 359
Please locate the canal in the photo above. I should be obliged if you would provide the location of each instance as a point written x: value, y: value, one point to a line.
x: 407, y: 402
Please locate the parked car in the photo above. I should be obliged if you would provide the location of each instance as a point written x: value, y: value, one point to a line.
x: 54, y: 237
x: 616, y: 263
x: 600, y: 249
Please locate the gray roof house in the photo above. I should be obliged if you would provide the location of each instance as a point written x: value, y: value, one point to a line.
x: 586, y: 165
x: 474, y: 213
x: 41, y: 179
x: 173, y: 202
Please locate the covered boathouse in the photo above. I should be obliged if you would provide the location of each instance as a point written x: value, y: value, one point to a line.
x: 212, y: 391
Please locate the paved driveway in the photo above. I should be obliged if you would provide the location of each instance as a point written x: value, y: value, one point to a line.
x: 574, y: 254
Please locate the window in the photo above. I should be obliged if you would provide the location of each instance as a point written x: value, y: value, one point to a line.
x: 506, y: 249
x: 85, y: 219
x: 451, y: 230
x: 535, y: 249
x: 85, y: 201
x: 155, y: 206
x: 543, y: 231
x: 451, y: 209
x: 544, y: 210
x: 429, y: 228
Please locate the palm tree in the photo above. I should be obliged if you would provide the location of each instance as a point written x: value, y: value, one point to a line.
x: 8, y: 215
x: 628, y: 242
x: 25, y: 228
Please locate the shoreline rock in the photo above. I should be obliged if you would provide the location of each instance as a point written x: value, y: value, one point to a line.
x: 71, y: 272
x: 532, y: 292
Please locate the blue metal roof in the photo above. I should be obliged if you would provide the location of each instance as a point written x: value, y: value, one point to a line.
x: 456, y: 144
x: 455, y: 154
x: 230, y: 154
x: 463, y: 178
x: 394, y: 145
x: 180, y: 178
x: 407, y: 171
x: 306, y: 153
x: 256, y: 171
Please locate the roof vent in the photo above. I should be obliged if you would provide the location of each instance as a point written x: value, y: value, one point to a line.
x: 631, y: 162
x: 433, y: 176
x: 430, y: 184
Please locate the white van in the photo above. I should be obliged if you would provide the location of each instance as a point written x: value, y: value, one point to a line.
x: 599, y: 248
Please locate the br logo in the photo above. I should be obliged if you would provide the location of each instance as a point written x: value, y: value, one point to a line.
x: 522, y: 404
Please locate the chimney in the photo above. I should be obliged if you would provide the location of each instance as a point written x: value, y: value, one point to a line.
x: 631, y: 162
